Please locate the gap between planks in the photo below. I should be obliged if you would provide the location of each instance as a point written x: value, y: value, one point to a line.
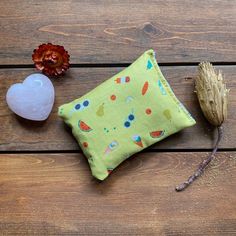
x: 197, y: 150
x: 100, y: 65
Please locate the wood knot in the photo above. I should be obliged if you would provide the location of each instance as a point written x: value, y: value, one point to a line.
x: 150, y: 29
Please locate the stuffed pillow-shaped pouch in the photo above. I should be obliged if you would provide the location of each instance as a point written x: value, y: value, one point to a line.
x: 125, y: 114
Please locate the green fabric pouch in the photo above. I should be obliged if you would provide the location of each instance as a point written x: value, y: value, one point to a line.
x: 127, y: 113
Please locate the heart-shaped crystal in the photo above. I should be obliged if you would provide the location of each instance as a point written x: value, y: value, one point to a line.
x: 33, y: 99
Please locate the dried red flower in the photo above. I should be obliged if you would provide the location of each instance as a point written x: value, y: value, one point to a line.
x: 51, y: 59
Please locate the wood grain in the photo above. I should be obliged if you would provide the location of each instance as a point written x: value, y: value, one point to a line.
x: 19, y: 134
x: 118, y: 31
x: 54, y: 194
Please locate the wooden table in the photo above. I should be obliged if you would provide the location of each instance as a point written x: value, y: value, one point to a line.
x: 45, y: 183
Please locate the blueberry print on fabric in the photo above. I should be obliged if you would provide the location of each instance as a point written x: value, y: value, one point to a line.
x: 129, y: 120
x: 79, y: 107
x: 125, y: 114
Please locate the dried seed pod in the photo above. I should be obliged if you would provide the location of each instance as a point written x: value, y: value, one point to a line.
x: 213, y: 98
x: 212, y: 94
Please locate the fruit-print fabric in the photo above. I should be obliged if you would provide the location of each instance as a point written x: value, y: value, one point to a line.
x: 127, y: 113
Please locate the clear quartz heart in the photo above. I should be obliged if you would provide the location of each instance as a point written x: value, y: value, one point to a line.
x: 33, y: 99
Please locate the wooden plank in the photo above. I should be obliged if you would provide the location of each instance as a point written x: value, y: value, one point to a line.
x: 54, y: 194
x: 119, y: 31
x: 19, y: 134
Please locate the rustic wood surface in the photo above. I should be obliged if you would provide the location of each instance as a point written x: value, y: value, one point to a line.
x: 116, y: 31
x: 54, y: 194
x: 18, y: 134
x: 46, y: 187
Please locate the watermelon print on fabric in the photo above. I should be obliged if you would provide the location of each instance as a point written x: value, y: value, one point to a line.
x: 127, y: 113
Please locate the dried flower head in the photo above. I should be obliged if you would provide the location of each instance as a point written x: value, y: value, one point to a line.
x: 213, y: 98
x: 212, y: 94
x: 51, y: 59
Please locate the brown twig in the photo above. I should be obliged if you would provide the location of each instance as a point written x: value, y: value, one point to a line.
x: 202, y: 165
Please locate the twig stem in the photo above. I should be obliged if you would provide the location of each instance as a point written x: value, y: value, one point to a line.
x: 202, y: 165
